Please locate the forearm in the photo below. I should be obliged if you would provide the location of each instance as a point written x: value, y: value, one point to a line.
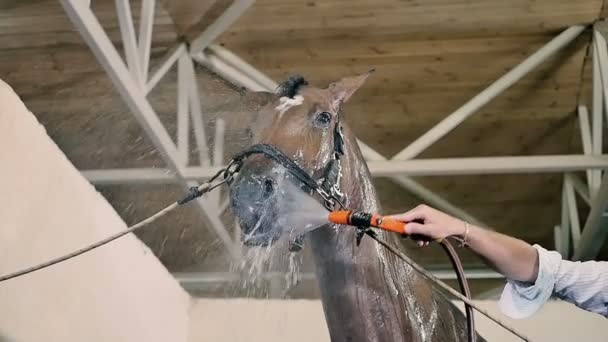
x: 514, y: 258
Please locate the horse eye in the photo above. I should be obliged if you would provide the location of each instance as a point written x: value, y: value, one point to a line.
x: 323, y: 119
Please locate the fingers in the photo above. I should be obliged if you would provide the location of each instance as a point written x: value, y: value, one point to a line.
x: 416, y: 228
x: 418, y: 213
x: 418, y: 222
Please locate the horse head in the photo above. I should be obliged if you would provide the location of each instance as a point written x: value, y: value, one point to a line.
x: 301, y: 121
x: 360, y: 284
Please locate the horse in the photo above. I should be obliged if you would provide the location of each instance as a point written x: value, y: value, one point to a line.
x: 367, y: 294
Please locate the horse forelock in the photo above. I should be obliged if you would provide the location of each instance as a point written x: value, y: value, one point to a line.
x: 291, y: 86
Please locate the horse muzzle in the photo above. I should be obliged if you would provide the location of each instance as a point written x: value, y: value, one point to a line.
x: 255, y: 198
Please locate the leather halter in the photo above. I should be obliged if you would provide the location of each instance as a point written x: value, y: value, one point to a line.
x: 333, y: 170
x: 328, y: 187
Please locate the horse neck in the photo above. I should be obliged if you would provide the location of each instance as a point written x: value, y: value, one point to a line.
x: 356, y: 181
x: 357, y: 282
x: 361, y: 284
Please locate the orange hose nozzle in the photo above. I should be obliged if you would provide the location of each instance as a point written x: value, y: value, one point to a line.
x: 388, y: 224
x: 340, y: 217
x: 361, y: 219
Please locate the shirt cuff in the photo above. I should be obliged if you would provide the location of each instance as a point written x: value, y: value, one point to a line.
x: 521, y: 299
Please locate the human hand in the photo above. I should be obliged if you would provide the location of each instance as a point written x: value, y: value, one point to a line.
x: 430, y: 222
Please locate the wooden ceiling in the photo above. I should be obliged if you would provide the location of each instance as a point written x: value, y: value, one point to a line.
x: 430, y: 56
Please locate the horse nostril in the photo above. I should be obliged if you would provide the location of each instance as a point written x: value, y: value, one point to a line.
x: 268, y: 187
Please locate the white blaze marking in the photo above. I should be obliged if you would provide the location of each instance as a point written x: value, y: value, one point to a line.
x: 285, y: 103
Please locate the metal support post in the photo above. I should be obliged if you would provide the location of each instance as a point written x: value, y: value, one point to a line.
x: 575, y: 225
x: 565, y: 236
x: 183, y: 110
x: 129, y: 41
x: 196, y: 114
x: 218, y: 157
x: 583, y: 121
x: 598, y: 108
x: 146, y: 24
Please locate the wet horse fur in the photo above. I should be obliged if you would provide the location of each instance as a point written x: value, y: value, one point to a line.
x: 367, y: 293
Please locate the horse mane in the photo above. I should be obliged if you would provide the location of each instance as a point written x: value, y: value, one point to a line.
x: 291, y: 86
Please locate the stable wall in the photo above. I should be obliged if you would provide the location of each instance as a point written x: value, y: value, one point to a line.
x: 119, y: 292
x: 242, y: 320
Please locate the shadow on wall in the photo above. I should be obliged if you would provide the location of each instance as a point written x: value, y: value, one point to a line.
x: 4, y: 338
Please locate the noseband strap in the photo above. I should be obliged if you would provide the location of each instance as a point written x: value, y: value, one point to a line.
x: 282, y: 159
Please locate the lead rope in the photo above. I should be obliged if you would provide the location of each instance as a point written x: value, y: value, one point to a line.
x: 193, y: 193
x: 90, y: 247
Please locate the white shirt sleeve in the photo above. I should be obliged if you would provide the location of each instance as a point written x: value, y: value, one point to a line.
x: 585, y: 284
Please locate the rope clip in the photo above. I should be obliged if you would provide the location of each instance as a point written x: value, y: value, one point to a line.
x: 362, y: 231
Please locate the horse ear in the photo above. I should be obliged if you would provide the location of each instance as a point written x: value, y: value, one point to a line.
x: 342, y: 90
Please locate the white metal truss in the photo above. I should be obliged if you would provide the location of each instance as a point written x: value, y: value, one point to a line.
x: 570, y: 239
x: 134, y: 84
x: 145, y: 36
x: 495, y: 89
x: 133, y: 89
x: 588, y: 242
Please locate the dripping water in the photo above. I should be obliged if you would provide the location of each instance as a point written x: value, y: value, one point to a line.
x: 297, y: 214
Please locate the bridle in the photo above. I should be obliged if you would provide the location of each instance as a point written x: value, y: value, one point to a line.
x: 327, y: 186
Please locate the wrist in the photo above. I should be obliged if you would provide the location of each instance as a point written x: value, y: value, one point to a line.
x: 462, y: 231
x: 458, y: 228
